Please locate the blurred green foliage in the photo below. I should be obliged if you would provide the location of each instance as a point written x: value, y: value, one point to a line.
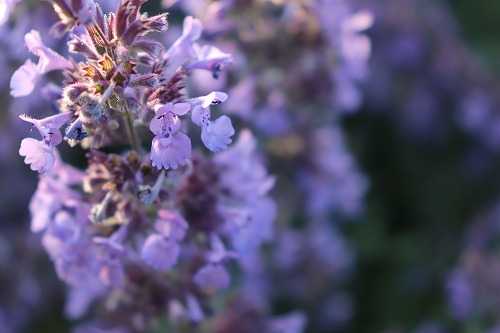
x: 420, y: 204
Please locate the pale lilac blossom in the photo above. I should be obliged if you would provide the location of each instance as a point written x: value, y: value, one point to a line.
x: 216, y: 135
x: 170, y: 147
x: 210, y: 58
x: 160, y: 252
x: 212, y: 277
x: 24, y: 79
x: 40, y: 156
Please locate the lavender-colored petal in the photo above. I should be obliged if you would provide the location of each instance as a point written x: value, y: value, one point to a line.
x: 49, y: 60
x: 217, y: 135
x: 49, y: 126
x: 212, y: 277
x: 160, y: 252
x: 171, y: 225
x: 214, y: 98
x: 24, y: 79
x: 170, y: 153
x: 36, y: 153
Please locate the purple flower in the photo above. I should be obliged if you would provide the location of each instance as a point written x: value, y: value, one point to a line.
x: 335, y: 183
x: 355, y: 46
x: 216, y: 135
x: 245, y: 174
x: 210, y: 58
x: 182, y: 50
x: 194, y: 311
x: 160, y: 252
x: 247, y: 180
x: 219, y: 253
x: 344, y: 30
x: 171, y: 225
x: 243, y: 99
x: 170, y: 147
x: 48, y: 59
x: 259, y: 227
x: 214, y: 98
x: 49, y: 127
x: 37, y: 154
x: 212, y: 277
x: 79, y: 300
x: 51, y: 193
x: 41, y: 154
x: 460, y: 295
x: 166, y: 120
x: 172, y: 152
x: 24, y: 79
x: 191, y: 32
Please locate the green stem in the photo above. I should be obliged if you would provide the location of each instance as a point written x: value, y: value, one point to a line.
x: 131, y: 133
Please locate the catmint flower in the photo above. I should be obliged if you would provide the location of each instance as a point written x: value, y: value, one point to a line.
x: 170, y: 152
x: 170, y: 147
x: 171, y: 224
x: 72, y: 14
x: 166, y: 120
x: 48, y: 59
x: 51, y: 190
x: 183, y: 46
x: 194, y: 311
x: 210, y: 58
x: 212, y: 277
x: 247, y: 179
x: 160, y: 252
x: 182, y: 50
x: 40, y: 154
x: 37, y: 154
x: 129, y: 224
x: 24, y: 79
x: 216, y: 135
x: 49, y: 127
x: 219, y: 253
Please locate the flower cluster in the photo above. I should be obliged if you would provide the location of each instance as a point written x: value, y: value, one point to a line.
x: 298, y: 74
x: 422, y: 66
x: 148, y: 232
x: 473, y: 286
x: 125, y: 78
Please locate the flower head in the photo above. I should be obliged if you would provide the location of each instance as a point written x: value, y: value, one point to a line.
x: 217, y: 135
x: 212, y: 277
x: 210, y: 58
x: 49, y: 127
x: 160, y: 252
x: 24, y: 79
x: 170, y: 147
x: 48, y: 59
x: 40, y: 156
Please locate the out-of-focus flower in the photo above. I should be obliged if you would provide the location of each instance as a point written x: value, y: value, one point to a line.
x: 24, y: 79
